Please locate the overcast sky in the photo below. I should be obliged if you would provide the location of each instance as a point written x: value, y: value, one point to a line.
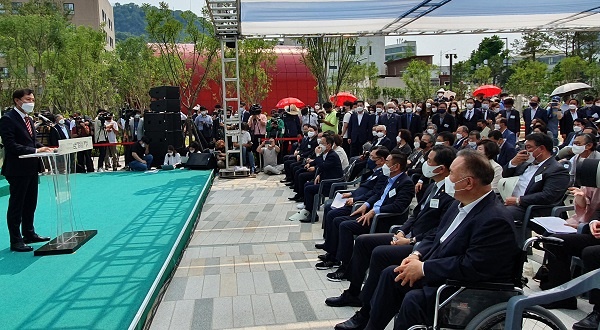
x: 461, y: 45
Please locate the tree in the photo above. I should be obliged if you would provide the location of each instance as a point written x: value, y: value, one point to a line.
x: 182, y: 63
x: 491, y: 53
x: 570, y: 69
x: 583, y: 44
x: 482, y: 75
x: 256, y: 58
x: 362, y: 79
x: 321, y: 53
x: 528, y: 78
x: 417, y: 77
x: 532, y: 44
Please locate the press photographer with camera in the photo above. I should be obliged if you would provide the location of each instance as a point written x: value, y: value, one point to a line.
x: 111, y: 128
x: 100, y: 136
x: 330, y: 121
x: 275, y: 127
x: 257, y: 124
x: 81, y: 128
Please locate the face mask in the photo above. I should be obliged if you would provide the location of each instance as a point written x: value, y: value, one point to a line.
x: 417, y: 144
x: 533, y: 104
x: 577, y: 149
x: 143, y: 145
x: 386, y: 170
x: 28, y: 107
x: 137, y: 116
x: 451, y: 186
x: 472, y: 144
x: 380, y: 134
x: 310, y: 134
x: 170, y: 153
x: 391, y: 110
x: 379, y: 110
x: 440, y: 94
x: 439, y: 143
x: 374, y: 133
x: 428, y: 105
x: 423, y: 144
x: 485, y: 106
x: 597, y: 104
x: 458, y: 136
x: 61, y: 122
x: 418, y: 109
x: 203, y: 113
x: 191, y: 150
x: 371, y: 164
x: 572, y: 107
x: 470, y: 106
x: 317, y: 107
x: 497, y: 127
x: 577, y: 128
x: 453, y: 109
x: 531, y: 158
x: 360, y: 109
x: 441, y: 110
x: 408, y: 110
x: 433, y: 109
x: 430, y: 130
x: 496, y: 110
x: 428, y: 170
x: 398, y: 139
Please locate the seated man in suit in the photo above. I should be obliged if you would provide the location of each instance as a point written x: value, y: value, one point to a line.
x: 368, y: 186
x: 394, y: 198
x: 542, y: 180
x: 565, y: 148
x: 305, y: 149
x: 377, y: 251
x: 507, y: 135
x: 462, y: 134
x: 329, y: 167
x: 507, y: 150
x: 475, y: 242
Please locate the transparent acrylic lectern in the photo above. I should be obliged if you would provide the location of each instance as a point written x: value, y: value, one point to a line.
x: 68, y: 238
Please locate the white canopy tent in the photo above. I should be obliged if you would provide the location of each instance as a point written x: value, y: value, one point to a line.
x: 294, y: 18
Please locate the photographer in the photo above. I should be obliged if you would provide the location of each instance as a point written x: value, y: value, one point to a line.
x: 204, y: 123
x: 84, y: 158
x: 111, y: 128
x: 293, y: 128
x: 100, y: 137
x: 275, y: 127
x: 330, y: 121
x: 257, y: 124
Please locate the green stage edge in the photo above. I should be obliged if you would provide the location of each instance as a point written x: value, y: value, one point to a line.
x: 116, y: 279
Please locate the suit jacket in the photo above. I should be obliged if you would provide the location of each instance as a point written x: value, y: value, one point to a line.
x: 414, y: 126
x: 386, y: 142
x: 425, y: 221
x: 56, y: 133
x: 140, y: 129
x: 566, y: 122
x: 360, y: 133
x: 514, y: 120
x: 488, y: 114
x: 458, y: 144
x: 368, y: 187
x: 17, y: 141
x: 590, y: 111
x: 567, y: 140
x: 448, y: 124
x: 391, y: 122
x: 549, y: 190
x: 245, y: 116
x: 404, y: 190
x: 482, y: 248
x: 509, y: 136
x: 308, y: 147
x: 507, y: 153
x: 330, y: 167
x: 472, y: 123
x: 539, y: 113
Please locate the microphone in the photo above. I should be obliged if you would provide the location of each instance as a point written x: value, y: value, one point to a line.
x: 44, y: 118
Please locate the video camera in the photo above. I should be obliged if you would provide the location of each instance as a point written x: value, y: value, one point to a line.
x: 255, y: 109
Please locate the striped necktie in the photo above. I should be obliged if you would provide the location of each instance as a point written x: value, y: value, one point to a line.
x: 28, y: 124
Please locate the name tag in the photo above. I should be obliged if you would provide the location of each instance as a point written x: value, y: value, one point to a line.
x: 434, y: 203
x: 446, y: 125
x: 392, y: 193
x: 309, y: 146
x: 512, y: 117
x: 538, y: 178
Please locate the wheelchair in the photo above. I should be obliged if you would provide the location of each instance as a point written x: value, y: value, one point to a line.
x: 482, y: 306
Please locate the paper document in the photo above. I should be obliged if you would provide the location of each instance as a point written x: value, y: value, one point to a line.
x: 554, y: 225
x: 339, y: 201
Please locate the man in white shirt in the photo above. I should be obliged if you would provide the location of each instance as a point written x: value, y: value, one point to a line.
x: 111, y: 128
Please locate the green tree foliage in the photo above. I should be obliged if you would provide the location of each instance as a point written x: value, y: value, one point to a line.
x: 362, y: 79
x: 491, y: 53
x: 257, y: 57
x: 417, y: 77
x: 482, y: 75
x: 582, y: 44
x: 532, y: 44
x: 529, y: 78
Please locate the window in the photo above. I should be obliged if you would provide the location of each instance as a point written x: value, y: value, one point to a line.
x: 333, y: 67
x: 110, y: 24
x: 3, y: 72
x: 352, y: 50
x: 2, y: 11
x: 69, y: 8
x: 103, y: 16
x: 370, y: 50
x: 16, y: 6
x: 111, y: 43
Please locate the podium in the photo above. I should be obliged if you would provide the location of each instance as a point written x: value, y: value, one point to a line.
x: 68, y: 238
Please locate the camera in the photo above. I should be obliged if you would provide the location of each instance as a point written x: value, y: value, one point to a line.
x: 255, y: 109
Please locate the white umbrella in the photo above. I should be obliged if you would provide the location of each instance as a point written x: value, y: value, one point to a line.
x: 570, y: 88
x: 449, y: 93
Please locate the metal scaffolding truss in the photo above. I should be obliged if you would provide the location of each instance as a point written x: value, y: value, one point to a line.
x: 225, y: 17
x: 411, y: 15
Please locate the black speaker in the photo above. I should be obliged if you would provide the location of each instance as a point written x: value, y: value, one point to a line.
x: 160, y: 122
x: 174, y: 138
x: 201, y: 161
x: 164, y: 92
x: 166, y: 105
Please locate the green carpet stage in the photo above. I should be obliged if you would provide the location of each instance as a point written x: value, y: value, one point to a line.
x: 144, y: 221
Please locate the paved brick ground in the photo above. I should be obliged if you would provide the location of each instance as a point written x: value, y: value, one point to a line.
x: 248, y: 267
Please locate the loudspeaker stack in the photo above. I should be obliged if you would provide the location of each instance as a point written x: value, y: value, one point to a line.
x: 163, y: 125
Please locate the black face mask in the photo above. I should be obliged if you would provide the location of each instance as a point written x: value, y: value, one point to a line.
x: 441, y: 111
x: 533, y: 104
x: 423, y: 144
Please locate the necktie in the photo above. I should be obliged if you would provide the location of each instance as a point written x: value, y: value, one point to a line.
x: 469, y: 115
x: 408, y: 121
x: 431, y: 194
x: 28, y: 124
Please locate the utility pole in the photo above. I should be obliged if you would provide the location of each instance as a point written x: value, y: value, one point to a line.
x: 451, y: 56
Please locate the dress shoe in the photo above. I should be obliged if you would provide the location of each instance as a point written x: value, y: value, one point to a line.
x: 320, y: 246
x: 35, y: 238
x: 339, y: 275
x: 284, y: 180
x: 293, y: 198
x: 328, y: 264
x: 345, y: 299
x: 590, y: 322
x: 290, y: 184
x: 324, y: 257
x: 356, y: 322
x: 299, y: 198
x: 569, y: 303
x: 307, y: 220
x: 20, y: 247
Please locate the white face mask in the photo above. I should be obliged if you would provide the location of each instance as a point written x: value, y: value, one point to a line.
x: 470, y: 106
x: 28, y: 107
x: 572, y: 107
x: 577, y: 149
x: 143, y: 145
x: 531, y: 158
x: 61, y: 122
x: 311, y: 134
x: 386, y: 170
x: 576, y: 129
x: 170, y: 153
x: 472, y: 144
x: 379, y: 110
x: 458, y: 136
x: 418, y: 109
x: 417, y: 144
x: 430, y: 130
x: 453, y: 109
x: 380, y: 134
x: 374, y: 133
x: 428, y: 105
x: 391, y: 110
x: 485, y: 106
x: 203, y: 113
x: 398, y: 139
x: 317, y: 107
x: 497, y: 127
x: 428, y: 170
x: 451, y: 186
x: 433, y: 109
x: 137, y: 116
x: 440, y: 94
x: 408, y: 110
x: 439, y: 143
x: 597, y: 104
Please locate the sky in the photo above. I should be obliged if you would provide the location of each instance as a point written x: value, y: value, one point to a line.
x: 426, y: 45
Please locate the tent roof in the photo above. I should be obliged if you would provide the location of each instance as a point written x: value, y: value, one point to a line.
x: 294, y: 18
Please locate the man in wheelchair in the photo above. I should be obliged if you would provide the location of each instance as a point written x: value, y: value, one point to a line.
x: 475, y: 242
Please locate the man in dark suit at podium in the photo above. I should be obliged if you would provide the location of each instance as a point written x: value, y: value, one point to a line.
x: 19, y: 138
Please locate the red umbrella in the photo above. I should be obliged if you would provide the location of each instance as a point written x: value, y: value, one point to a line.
x: 342, y: 97
x: 487, y: 90
x: 288, y: 101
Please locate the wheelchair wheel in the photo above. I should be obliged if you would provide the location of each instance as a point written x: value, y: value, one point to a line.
x: 535, y: 317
